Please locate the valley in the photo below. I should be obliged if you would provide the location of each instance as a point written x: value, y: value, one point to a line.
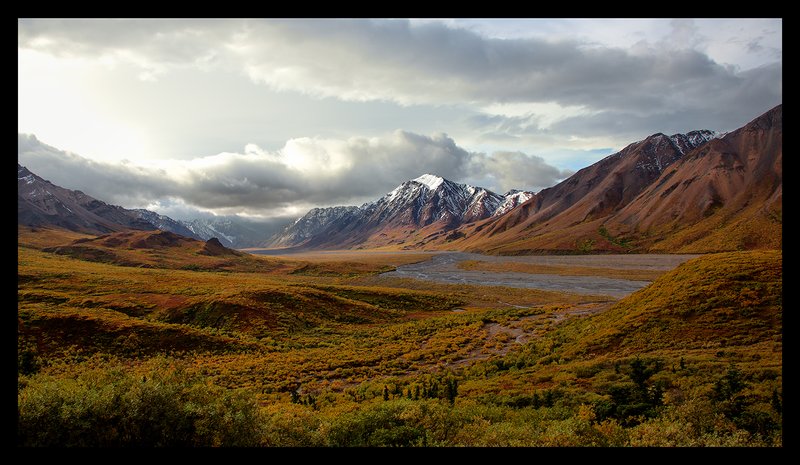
x: 400, y: 232
x: 637, y: 303
x: 312, y: 348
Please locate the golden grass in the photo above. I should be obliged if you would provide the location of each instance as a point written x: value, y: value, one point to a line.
x: 479, y: 296
x: 341, y: 337
x: 717, y: 300
x: 154, y: 249
x: 752, y: 228
x: 39, y: 238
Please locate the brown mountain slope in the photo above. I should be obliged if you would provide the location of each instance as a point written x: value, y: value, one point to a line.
x: 725, y: 194
x: 42, y: 204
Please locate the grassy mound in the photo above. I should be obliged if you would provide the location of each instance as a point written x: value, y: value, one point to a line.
x: 718, y: 300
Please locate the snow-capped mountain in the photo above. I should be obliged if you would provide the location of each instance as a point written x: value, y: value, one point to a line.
x: 687, y: 142
x: 431, y: 198
x: 316, y: 220
x: 512, y: 199
x: 428, y: 202
x: 234, y: 232
x: 660, y: 150
x: 165, y: 223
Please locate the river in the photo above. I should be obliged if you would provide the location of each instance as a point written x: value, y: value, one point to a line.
x: 443, y: 267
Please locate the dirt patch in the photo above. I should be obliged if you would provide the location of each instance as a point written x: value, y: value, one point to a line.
x: 501, y: 338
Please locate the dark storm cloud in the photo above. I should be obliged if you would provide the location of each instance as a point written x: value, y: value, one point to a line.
x: 719, y: 109
x: 413, y: 63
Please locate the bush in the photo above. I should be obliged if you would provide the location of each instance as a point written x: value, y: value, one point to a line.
x: 163, y: 406
x: 400, y: 422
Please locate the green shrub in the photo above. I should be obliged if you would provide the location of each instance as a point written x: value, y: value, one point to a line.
x: 400, y: 422
x: 163, y: 406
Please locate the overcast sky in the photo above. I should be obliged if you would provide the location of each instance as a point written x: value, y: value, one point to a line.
x: 272, y: 117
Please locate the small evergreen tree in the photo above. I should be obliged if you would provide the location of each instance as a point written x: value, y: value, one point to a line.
x: 776, y: 403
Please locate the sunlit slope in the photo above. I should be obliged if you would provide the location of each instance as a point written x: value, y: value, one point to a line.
x: 65, y: 302
x: 718, y: 300
x: 724, y: 195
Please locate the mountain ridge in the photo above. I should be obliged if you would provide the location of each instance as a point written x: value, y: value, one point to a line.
x: 428, y: 203
x: 41, y: 203
x: 625, y: 202
x: 696, y: 192
x: 628, y: 202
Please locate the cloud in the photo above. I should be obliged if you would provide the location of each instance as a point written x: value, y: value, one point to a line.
x: 524, y: 92
x: 304, y: 173
x: 153, y: 45
x: 684, y: 35
x: 403, y: 61
x: 515, y: 170
x: 521, y: 92
x: 122, y: 183
x: 701, y: 105
x: 720, y: 109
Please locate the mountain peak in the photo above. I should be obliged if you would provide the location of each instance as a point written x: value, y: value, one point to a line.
x: 24, y: 174
x: 430, y: 180
x: 403, y: 214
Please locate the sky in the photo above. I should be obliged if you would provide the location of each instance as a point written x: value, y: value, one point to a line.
x: 269, y: 118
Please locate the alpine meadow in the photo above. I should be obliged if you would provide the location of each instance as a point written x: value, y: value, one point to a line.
x: 413, y: 233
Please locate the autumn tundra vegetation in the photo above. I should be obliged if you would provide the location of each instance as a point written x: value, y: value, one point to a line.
x: 148, y: 339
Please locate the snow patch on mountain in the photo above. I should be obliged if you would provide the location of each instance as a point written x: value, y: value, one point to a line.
x: 430, y: 180
x: 512, y: 199
x: 222, y: 234
x: 691, y: 140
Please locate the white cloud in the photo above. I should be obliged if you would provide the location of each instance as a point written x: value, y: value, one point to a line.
x: 298, y: 90
x: 306, y: 172
x: 515, y: 170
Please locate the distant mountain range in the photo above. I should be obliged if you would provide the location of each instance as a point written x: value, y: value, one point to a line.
x: 694, y: 192
x: 42, y: 204
x: 427, y: 205
x: 235, y: 232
